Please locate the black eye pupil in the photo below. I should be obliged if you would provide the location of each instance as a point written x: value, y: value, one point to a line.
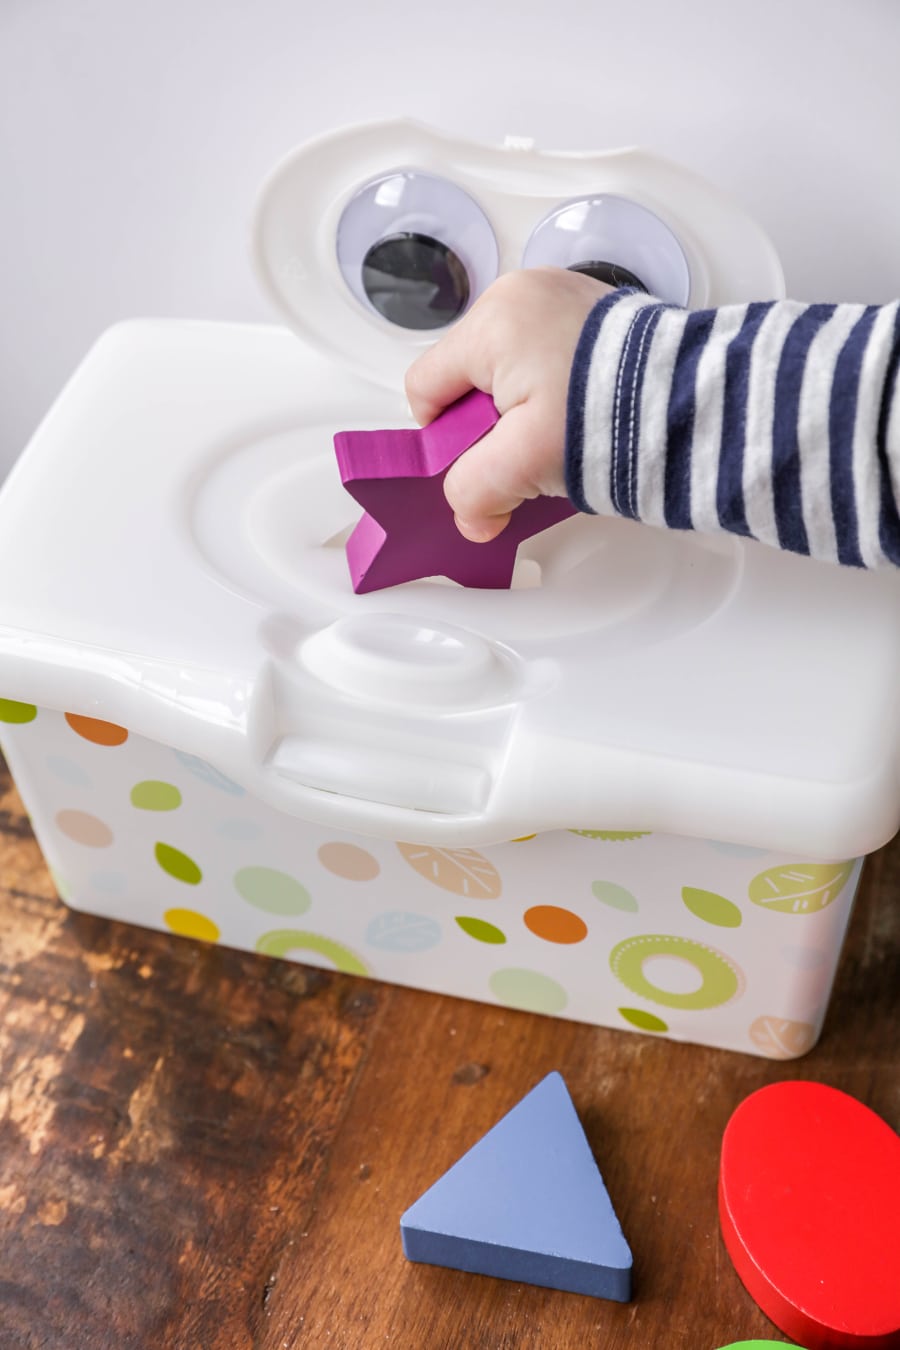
x: 415, y: 281
x: 614, y: 274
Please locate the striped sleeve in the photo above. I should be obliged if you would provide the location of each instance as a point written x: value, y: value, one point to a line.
x: 779, y: 421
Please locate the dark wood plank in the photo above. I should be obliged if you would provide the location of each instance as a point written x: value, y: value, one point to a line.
x: 203, y: 1149
x: 166, y: 1112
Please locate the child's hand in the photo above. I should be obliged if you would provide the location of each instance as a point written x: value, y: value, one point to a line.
x: 516, y: 343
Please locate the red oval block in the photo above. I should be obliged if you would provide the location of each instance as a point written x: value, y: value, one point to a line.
x: 809, y: 1202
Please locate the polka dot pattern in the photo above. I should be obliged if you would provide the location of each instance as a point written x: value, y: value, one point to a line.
x: 547, y: 923
x: 84, y: 828
x: 68, y: 771
x: 397, y: 931
x: 98, y: 733
x: 349, y: 861
x: 644, y: 1021
x: 616, y: 896
x: 152, y: 795
x: 178, y: 864
x: 188, y: 923
x: 269, y: 889
x: 481, y: 930
x: 554, y: 924
x: 712, y: 908
x: 528, y: 990
x: 16, y: 714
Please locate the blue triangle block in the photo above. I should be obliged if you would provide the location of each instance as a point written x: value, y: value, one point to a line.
x: 526, y: 1203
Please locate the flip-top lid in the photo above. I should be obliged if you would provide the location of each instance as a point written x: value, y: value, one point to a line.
x: 171, y: 558
x: 393, y: 221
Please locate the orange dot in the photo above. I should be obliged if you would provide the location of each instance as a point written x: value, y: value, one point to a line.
x: 349, y: 861
x: 84, y: 828
x: 101, y: 733
x: 554, y: 924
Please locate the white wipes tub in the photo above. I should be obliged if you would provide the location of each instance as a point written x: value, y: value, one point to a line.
x: 634, y: 789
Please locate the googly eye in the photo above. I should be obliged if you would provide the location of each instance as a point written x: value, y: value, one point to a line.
x: 415, y: 248
x: 614, y: 240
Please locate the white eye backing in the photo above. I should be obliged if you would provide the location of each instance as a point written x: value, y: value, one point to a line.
x: 416, y: 249
x: 616, y: 240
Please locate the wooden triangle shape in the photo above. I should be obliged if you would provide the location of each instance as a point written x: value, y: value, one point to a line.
x: 526, y: 1203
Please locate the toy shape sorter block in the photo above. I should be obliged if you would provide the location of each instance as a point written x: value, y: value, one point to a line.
x: 407, y: 531
x: 809, y: 1191
x: 526, y: 1202
x: 507, y: 795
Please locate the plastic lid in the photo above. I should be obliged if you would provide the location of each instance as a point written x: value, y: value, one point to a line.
x: 392, y: 218
x: 171, y: 558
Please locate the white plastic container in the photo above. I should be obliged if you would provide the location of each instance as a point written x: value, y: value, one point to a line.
x: 508, y: 795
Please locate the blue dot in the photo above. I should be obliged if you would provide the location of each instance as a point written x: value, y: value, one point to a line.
x: 68, y: 771
x: 207, y: 774
x: 397, y: 931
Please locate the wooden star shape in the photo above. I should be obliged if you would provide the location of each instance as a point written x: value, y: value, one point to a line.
x: 408, y: 531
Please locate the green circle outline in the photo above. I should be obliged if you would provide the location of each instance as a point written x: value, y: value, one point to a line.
x: 721, y: 979
x: 280, y: 941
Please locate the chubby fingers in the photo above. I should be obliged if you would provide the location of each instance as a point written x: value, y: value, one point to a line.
x: 486, y: 484
x: 440, y: 376
x: 449, y: 369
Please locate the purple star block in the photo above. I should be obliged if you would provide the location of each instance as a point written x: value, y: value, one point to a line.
x: 408, y: 530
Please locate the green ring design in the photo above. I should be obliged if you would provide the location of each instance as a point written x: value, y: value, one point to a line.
x: 283, y: 940
x: 722, y: 980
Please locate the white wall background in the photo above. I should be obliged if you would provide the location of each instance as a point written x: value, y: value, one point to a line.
x: 134, y: 133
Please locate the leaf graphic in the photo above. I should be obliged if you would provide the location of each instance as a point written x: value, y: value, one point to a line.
x: 460, y: 870
x: 800, y: 888
x: 480, y: 929
x: 711, y: 908
x: 780, y: 1038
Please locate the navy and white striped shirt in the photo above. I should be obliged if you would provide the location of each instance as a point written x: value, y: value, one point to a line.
x: 779, y: 421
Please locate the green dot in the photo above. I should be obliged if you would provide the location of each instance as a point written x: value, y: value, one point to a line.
x: 177, y: 864
x: 10, y: 711
x: 480, y: 930
x: 528, y: 989
x: 275, y: 892
x: 644, y: 1021
x: 712, y: 908
x: 288, y: 941
x: 615, y: 896
x: 152, y: 795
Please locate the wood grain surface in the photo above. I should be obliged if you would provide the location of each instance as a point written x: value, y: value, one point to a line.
x: 207, y: 1150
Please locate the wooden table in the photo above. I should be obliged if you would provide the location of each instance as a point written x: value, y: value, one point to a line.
x: 211, y: 1150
